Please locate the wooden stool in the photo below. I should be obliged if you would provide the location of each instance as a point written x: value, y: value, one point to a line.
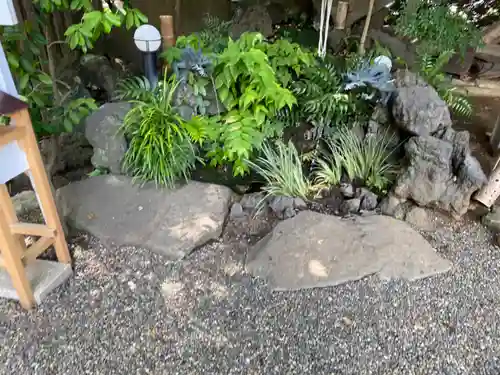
x: 14, y: 255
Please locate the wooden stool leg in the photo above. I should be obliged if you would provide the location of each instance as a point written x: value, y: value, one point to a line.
x: 42, y: 185
x: 11, y: 252
x: 10, y: 212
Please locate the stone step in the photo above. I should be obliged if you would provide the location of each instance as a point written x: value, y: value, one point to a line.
x: 44, y: 277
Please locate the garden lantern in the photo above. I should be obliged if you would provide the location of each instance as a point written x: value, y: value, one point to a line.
x: 147, y: 39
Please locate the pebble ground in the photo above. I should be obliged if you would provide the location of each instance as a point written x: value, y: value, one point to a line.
x: 128, y: 311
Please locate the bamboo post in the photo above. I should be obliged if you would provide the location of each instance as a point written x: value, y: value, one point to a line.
x: 366, y: 27
x: 167, y: 33
x: 341, y: 15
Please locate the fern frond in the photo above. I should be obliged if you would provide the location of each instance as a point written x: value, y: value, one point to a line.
x: 133, y: 88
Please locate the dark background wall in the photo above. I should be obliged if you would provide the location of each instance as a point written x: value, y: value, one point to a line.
x: 120, y: 43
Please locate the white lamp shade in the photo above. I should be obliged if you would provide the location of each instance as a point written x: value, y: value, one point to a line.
x: 147, y: 38
x: 7, y: 13
x: 13, y: 162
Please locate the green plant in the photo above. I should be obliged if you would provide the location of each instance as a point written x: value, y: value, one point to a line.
x: 431, y: 69
x: 54, y: 107
x: 323, y: 101
x: 248, y: 88
x: 94, y: 22
x: 437, y: 28
x: 366, y: 160
x: 281, y: 168
x: 287, y: 59
x: 160, y: 148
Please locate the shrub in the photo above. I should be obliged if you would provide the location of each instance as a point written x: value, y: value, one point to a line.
x: 437, y: 28
x: 365, y: 160
x: 248, y: 88
x: 160, y: 148
x: 281, y: 168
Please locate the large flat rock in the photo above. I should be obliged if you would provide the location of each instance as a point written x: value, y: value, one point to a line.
x: 170, y: 222
x: 315, y: 250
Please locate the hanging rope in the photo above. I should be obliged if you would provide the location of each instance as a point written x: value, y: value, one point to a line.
x: 326, y: 11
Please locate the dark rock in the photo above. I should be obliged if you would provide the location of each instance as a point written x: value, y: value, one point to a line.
x: 250, y: 202
x: 299, y: 204
x: 389, y: 205
x: 237, y: 211
x: 102, y: 131
x: 347, y: 190
x: 350, y: 206
x: 369, y: 200
x: 431, y: 180
x: 97, y: 71
x: 417, y: 107
x: 71, y: 151
x: 288, y: 213
x: 253, y: 19
x: 280, y: 204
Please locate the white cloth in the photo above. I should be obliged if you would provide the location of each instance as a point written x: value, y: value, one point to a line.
x: 326, y: 11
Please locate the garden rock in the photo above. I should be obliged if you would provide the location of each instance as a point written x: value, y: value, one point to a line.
x: 250, y: 202
x: 347, y: 190
x: 253, y: 19
x: 71, y: 151
x: 431, y: 180
x: 393, y: 206
x: 417, y: 107
x: 97, y: 71
x: 170, y: 222
x: 350, y: 206
x: 369, y: 200
x: 237, y: 211
x: 102, y: 131
x: 279, y: 205
x: 419, y: 218
x: 25, y: 202
x: 316, y: 250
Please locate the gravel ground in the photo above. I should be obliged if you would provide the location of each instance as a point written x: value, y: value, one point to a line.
x: 127, y: 311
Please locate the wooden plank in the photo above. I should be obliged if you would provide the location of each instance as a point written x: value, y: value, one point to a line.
x: 11, y: 259
x: 37, y: 248
x: 29, y: 229
x: 42, y: 185
x: 9, y: 134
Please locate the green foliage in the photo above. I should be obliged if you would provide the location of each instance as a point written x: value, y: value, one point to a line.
x: 438, y: 29
x: 365, y: 160
x: 211, y: 40
x: 431, y: 69
x: 133, y: 88
x: 322, y: 100
x: 248, y: 88
x: 37, y: 87
x: 281, y: 168
x: 94, y: 23
x: 160, y: 147
x: 287, y: 59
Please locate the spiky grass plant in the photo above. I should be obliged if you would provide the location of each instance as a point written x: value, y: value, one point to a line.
x: 160, y: 148
x: 280, y: 166
x: 366, y: 160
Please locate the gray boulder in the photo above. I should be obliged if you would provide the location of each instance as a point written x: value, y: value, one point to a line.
x: 102, y: 131
x: 417, y: 107
x: 171, y: 222
x: 286, y: 207
x: 369, y: 200
x: 25, y: 202
x: 315, y: 250
x: 431, y: 180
